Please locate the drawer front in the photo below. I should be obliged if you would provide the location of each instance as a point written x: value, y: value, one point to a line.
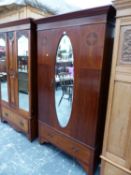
x: 7, y: 114
x: 65, y: 143
x: 20, y: 122
x: 15, y: 119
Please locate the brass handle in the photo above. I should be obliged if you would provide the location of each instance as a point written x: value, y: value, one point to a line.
x: 6, y: 114
x: 21, y: 123
x: 50, y: 135
x: 75, y: 149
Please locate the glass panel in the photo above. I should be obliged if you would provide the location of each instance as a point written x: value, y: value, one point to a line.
x: 64, y: 76
x: 3, y: 68
x: 23, y: 72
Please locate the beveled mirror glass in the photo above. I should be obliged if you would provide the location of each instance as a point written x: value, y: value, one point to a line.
x: 3, y: 68
x: 64, y: 77
x: 23, y: 85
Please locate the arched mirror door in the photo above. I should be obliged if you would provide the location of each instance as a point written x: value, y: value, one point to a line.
x: 64, y: 76
x: 23, y: 83
x: 3, y: 68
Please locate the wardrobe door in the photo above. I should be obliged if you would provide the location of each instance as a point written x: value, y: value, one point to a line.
x: 83, y: 75
x: 55, y: 76
x: 4, y: 68
x: 23, y: 69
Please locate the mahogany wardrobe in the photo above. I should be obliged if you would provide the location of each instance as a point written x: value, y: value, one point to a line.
x: 74, y: 59
x: 18, y: 76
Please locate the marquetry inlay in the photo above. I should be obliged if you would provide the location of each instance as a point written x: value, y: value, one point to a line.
x: 91, y: 39
x: 126, y: 47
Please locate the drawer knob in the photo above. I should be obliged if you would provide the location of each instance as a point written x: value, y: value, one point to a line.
x: 6, y: 114
x: 21, y: 123
x: 50, y: 135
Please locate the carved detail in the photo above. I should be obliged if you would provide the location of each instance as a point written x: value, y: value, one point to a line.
x: 11, y: 36
x: 2, y: 35
x: 126, y: 48
x: 22, y: 33
x: 91, y: 39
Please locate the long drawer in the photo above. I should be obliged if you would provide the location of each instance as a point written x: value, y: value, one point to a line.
x: 68, y: 145
x: 14, y: 118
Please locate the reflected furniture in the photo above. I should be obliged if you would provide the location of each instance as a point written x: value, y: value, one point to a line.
x: 66, y: 86
x: 90, y: 34
x: 23, y: 82
x: 116, y: 154
x: 18, y: 76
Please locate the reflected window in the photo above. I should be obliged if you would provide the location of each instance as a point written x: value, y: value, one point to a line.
x: 64, y: 78
x: 23, y: 71
x: 3, y: 68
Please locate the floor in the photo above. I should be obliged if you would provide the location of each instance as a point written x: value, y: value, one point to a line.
x: 18, y: 156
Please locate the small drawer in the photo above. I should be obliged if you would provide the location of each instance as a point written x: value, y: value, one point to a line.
x: 7, y: 114
x: 20, y: 122
x: 15, y: 119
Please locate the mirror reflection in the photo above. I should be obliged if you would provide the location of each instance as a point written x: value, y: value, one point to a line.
x: 3, y: 68
x: 23, y: 73
x: 64, y: 76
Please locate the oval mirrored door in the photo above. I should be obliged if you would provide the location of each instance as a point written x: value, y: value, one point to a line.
x: 3, y: 68
x: 64, y: 77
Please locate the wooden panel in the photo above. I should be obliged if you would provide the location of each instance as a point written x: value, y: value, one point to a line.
x: 12, y: 60
x: 121, y: 107
x: 112, y: 170
x: 87, y: 104
x: 128, y: 153
x: 91, y: 46
x: 125, y: 77
x: 117, y: 141
x: 11, y: 54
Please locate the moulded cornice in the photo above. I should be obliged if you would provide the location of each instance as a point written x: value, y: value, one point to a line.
x: 122, y: 4
x: 123, y: 7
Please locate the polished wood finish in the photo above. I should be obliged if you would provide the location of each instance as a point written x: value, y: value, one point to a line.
x: 21, y: 120
x: 91, y: 35
x: 116, y: 154
x: 15, y: 119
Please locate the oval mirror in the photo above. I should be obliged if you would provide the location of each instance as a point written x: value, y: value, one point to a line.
x: 64, y: 76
